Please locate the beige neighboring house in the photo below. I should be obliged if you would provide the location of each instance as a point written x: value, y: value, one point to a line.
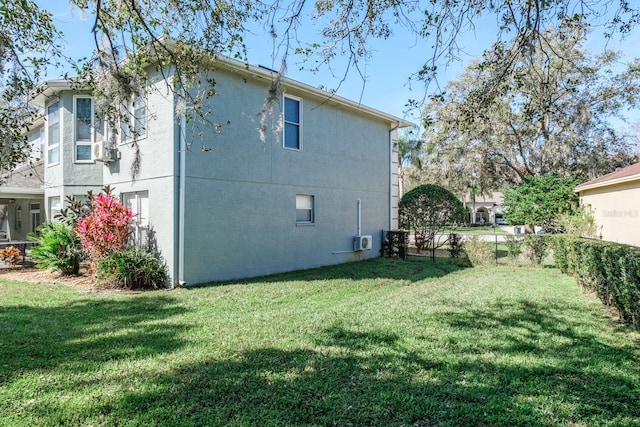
x: 484, y: 209
x: 614, y: 200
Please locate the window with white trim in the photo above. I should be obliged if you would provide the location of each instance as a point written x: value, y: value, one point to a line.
x: 138, y: 202
x: 43, y: 144
x: 55, y: 207
x: 18, y: 224
x: 53, y: 133
x: 304, y: 209
x: 83, y: 128
x: 133, y: 120
x: 34, y: 211
x: 292, y: 135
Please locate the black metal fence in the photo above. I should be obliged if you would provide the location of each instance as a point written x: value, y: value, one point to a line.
x: 395, y: 244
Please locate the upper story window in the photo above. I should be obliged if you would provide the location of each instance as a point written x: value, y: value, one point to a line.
x: 53, y: 133
x: 42, y: 144
x: 292, y: 123
x: 133, y: 121
x: 83, y: 124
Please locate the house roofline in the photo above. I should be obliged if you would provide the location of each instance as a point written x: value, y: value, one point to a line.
x: 51, y: 88
x: 17, y: 192
x: 623, y: 180
x: 263, y: 72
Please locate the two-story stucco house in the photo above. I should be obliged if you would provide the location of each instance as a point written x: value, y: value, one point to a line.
x: 231, y: 202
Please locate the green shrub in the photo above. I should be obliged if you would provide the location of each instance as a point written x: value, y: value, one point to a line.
x: 58, y: 248
x: 514, y: 246
x: 560, y: 246
x: 131, y: 268
x: 630, y: 279
x: 610, y: 270
x: 535, y: 247
x: 478, y: 252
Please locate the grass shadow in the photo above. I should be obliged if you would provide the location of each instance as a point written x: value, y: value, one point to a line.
x: 86, y: 331
x: 350, y: 377
x: 414, y: 269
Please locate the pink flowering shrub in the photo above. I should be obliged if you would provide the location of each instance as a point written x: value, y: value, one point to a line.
x: 107, y: 228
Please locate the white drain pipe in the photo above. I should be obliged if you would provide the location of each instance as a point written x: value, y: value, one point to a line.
x: 359, y: 218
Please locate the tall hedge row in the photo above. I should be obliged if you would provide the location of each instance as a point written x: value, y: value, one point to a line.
x: 609, y: 269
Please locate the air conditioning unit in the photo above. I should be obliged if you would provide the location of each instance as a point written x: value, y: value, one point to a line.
x: 362, y: 243
x: 101, y: 152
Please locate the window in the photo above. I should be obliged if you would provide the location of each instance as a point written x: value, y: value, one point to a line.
x: 18, y: 224
x: 83, y: 113
x: 55, y: 207
x: 34, y: 210
x: 139, y: 204
x: 43, y: 142
x: 304, y: 209
x: 53, y: 133
x: 133, y: 121
x: 292, y: 123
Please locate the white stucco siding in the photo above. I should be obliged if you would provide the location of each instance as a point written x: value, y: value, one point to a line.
x: 616, y: 209
x: 395, y: 179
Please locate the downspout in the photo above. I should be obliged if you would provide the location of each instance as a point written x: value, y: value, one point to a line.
x: 181, y: 195
x: 359, y: 218
x: 391, y: 175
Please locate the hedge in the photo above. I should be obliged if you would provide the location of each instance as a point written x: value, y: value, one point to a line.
x: 611, y: 270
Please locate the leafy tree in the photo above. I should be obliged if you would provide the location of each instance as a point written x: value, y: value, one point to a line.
x: 29, y: 42
x: 410, y: 157
x: 581, y: 222
x: 538, y: 200
x: 552, y: 115
x: 143, y: 30
x: 428, y: 211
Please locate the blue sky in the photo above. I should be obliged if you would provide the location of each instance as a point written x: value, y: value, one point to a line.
x: 386, y: 85
x: 387, y: 70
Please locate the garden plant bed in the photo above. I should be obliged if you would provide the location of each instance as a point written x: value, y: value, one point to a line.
x: 42, y: 276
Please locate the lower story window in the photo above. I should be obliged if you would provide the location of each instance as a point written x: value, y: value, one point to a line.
x: 54, y: 207
x: 304, y: 209
x: 138, y: 202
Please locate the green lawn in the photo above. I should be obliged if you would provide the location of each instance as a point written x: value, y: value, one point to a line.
x: 485, y: 230
x: 379, y: 343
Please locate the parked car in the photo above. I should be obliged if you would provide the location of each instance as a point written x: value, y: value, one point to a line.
x: 501, y: 221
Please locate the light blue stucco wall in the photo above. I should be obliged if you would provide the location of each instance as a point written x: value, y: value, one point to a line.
x: 157, y: 175
x: 68, y: 178
x: 240, y: 192
x: 239, y: 213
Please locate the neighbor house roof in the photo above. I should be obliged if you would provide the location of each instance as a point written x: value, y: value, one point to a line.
x: 628, y: 174
x: 23, y: 181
